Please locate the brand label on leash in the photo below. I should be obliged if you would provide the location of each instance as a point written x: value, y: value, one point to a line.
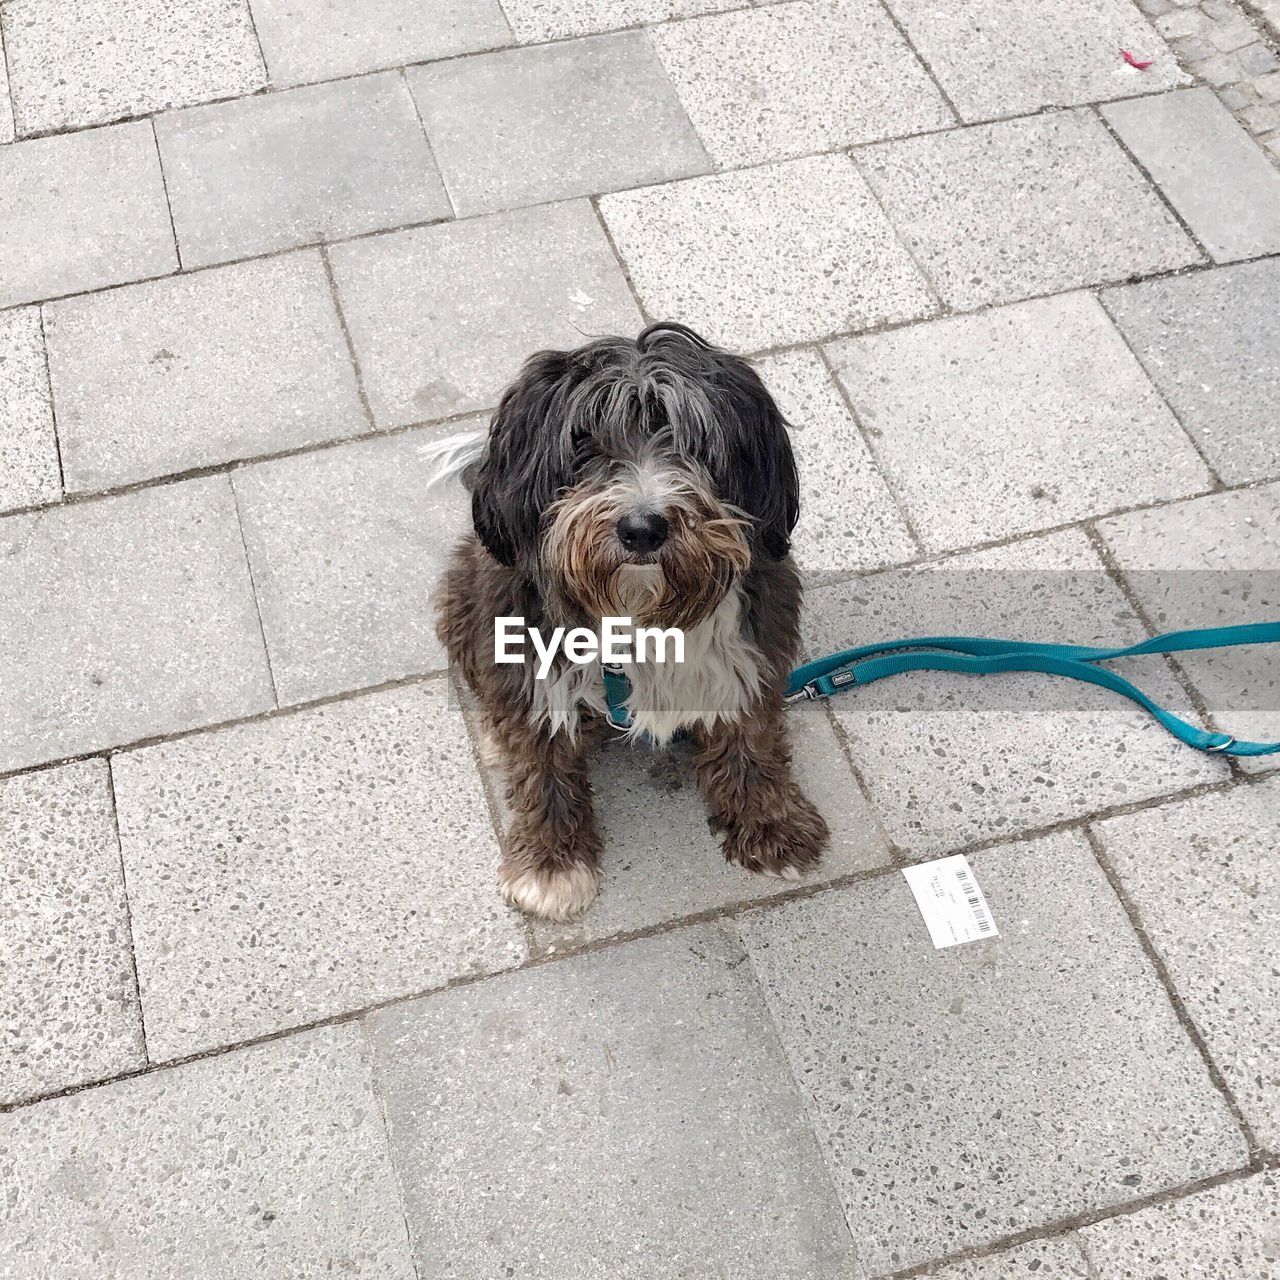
x: 951, y: 901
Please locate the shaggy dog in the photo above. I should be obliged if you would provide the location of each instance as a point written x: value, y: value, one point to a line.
x: 650, y: 479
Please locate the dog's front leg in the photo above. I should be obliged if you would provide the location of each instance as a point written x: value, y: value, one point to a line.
x: 551, y: 856
x: 744, y: 774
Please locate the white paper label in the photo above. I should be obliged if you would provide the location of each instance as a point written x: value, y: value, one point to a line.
x: 951, y: 901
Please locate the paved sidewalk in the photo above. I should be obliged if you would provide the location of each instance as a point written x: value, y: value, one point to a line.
x: 262, y: 1011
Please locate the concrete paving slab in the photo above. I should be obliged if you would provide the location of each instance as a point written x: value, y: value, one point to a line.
x: 661, y: 861
x: 291, y: 869
x: 294, y: 168
x: 125, y: 618
x: 199, y: 369
x: 1208, y: 341
x: 1055, y: 1259
x: 792, y: 79
x: 535, y: 20
x: 998, y: 60
x: 1017, y: 419
x: 306, y: 40
x: 761, y: 257
x: 1201, y: 874
x: 848, y: 519
x: 1006, y: 211
x: 443, y: 317
x: 73, y: 65
x: 1228, y: 1233
x: 69, y: 1004
x: 939, y: 1081
x: 524, y: 126
x: 953, y: 759
x: 623, y: 1151
x: 1213, y: 562
x: 347, y: 546
x: 82, y: 211
x: 1212, y: 172
x: 270, y: 1162
x: 29, y: 472
x: 6, y: 106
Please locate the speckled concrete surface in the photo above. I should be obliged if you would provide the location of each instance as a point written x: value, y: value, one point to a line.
x: 69, y: 1002
x: 195, y: 370
x: 1208, y: 342
x: 71, y: 66
x: 28, y: 445
x: 989, y: 229
x: 317, y: 905
x: 262, y: 1010
x: 894, y: 1043
x: 770, y: 256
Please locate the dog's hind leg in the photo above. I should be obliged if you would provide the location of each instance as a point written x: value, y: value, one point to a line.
x: 744, y: 773
x: 551, y: 855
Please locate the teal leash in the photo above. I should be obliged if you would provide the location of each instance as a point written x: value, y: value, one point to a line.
x: 977, y: 655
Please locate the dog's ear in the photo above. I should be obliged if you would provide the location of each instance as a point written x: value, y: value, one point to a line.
x: 522, y: 468
x: 760, y: 475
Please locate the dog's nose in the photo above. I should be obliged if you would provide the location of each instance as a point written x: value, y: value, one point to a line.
x: 642, y: 532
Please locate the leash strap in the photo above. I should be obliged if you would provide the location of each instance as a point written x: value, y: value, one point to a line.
x: 976, y: 655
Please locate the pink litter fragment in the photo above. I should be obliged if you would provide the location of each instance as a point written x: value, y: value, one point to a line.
x: 1135, y: 62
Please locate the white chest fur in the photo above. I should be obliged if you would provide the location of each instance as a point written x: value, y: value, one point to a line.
x: 718, y: 680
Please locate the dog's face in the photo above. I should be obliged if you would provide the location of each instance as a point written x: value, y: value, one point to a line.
x: 636, y: 478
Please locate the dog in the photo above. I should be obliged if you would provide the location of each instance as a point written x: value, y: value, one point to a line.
x: 651, y: 479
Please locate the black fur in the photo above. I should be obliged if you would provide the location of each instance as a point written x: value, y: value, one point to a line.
x: 569, y: 412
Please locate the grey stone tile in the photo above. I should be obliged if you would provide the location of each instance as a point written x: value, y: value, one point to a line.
x: 81, y: 211
x: 68, y: 1004
x: 951, y: 759
x: 306, y: 40
x: 28, y: 446
x: 6, y: 106
x: 848, y: 518
x: 967, y: 1094
x: 1020, y: 418
x: 290, y: 869
x: 1209, y: 563
x: 1208, y: 341
x: 346, y: 546
x: 995, y: 59
x: 1004, y: 211
x: 1202, y: 876
x: 1055, y: 1259
x: 1210, y: 169
x: 767, y: 256
x: 199, y: 369
x: 270, y: 1162
x: 1227, y: 1233
x: 661, y: 861
x: 793, y: 79
x: 524, y: 126
x: 72, y: 65
x: 125, y: 618
x: 293, y: 168
x: 551, y: 19
x: 625, y: 1151
x: 442, y: 317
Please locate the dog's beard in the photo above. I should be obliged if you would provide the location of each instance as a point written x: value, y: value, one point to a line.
x: 592, y: 575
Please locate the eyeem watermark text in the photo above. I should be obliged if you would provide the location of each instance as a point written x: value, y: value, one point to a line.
x: 617, y: 641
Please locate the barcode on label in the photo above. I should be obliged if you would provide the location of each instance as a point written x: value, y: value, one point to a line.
x: 951, y: 901
x: 981, y: 916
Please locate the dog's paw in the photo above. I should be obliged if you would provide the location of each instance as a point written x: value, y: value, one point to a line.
x: 786, y: 847
x: 551, y: 893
